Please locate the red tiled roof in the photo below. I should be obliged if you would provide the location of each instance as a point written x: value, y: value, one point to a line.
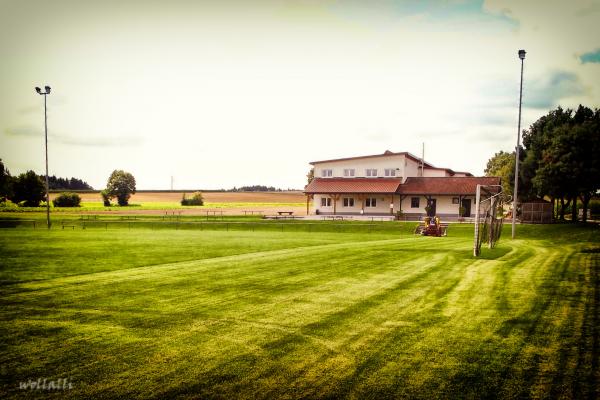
x: 353, y: 185
x: 387, y: 153
x: 451, y: 172
x: 446, y: 185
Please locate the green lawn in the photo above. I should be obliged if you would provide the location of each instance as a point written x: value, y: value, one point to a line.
x: 167, y: 313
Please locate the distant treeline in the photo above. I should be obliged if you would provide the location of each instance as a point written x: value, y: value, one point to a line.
x: 55, y: 183
x: 255, y: 188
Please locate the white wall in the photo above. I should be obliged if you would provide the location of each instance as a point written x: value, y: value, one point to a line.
x: 411, y: 169
x: 383, y: 204
x: 407, y: 167
x: 360, y: 165
x: 435, y: 172
x: 443, y: 205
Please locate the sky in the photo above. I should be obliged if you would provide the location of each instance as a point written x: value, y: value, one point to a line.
x: 218, y: 94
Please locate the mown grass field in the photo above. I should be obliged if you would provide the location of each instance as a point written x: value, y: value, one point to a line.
x: 168, y: 313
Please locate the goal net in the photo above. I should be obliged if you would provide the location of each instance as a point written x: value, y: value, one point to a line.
x: 489, y: 214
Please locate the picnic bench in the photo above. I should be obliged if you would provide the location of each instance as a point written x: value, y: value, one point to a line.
x: 382, y: 218
x: 252, y: 212
x: 286, y: 216
x: 285, y: 212
x: 214, y: 214
x: 335, y: 217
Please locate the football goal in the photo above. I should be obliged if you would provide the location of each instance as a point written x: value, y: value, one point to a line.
x: 489, y: 214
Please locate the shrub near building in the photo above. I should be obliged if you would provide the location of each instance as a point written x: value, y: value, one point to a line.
x: 67, y: 200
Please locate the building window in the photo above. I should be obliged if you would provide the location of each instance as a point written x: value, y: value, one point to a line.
x: 414, y: 202
x: 371, y: 172
x: 371, y: 202
x: 455, y: 200
x: 326, y: 173
x: 390, y: 172
x: 348, y: 202
x: 325, y: 201
x: 349, y: 172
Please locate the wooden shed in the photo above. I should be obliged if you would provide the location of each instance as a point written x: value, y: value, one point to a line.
x: 537, y: 212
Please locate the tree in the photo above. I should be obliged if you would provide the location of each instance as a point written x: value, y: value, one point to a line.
x: 121, y: 185
x: 67, y: 183
x: 587, y: 134
x: 6, y: 183
x: 30, y: 189
x: 562, y: 157
x: 502, y: 164
x: 311, y: 175
x: 536, y: 139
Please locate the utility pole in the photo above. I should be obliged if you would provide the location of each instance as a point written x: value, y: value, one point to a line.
x: 423, y: 160
x: 516, y: 191
x: 45, y: 93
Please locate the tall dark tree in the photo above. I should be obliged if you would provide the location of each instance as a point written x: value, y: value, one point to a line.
x: 561, y: 160
x: 6, y: 183
x: 556, y: 172
x: 67, y: 183
x: 30, y: 189
x: 535, y: 140
x: 586, y: 134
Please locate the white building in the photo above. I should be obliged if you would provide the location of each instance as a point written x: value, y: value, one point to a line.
x: 386, y: 183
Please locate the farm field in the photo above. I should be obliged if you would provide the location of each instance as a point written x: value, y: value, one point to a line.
x: 232, y: 203
x: 165, y: 313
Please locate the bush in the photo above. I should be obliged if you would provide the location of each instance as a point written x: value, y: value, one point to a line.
x: 67, y: 200
x: 7, y: 205
x: 399, y: 215
x: 105, y: 198
x: 195, y: 200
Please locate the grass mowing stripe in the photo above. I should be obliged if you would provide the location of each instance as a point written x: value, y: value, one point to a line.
x: 73, y: 253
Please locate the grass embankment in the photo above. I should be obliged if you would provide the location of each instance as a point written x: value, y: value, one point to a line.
x: 163, y: 314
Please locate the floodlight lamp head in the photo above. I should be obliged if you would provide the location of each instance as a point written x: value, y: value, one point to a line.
x: 47, y: 89
x: 522, y: 54
x: 37, y: 89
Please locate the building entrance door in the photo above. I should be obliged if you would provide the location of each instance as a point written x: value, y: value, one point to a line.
x: 466, y: 203
x: 432, y: 205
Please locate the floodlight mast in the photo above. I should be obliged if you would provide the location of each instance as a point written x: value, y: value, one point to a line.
x: 45, y: 93
x: 516, y: 191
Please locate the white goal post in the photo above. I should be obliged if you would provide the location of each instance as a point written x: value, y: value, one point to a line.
x: 489, y: 200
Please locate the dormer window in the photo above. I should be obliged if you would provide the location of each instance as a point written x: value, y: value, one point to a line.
x: 371, y: 172
x: 390, y: 172
x: 349, y: 172
x: 326, y: 173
